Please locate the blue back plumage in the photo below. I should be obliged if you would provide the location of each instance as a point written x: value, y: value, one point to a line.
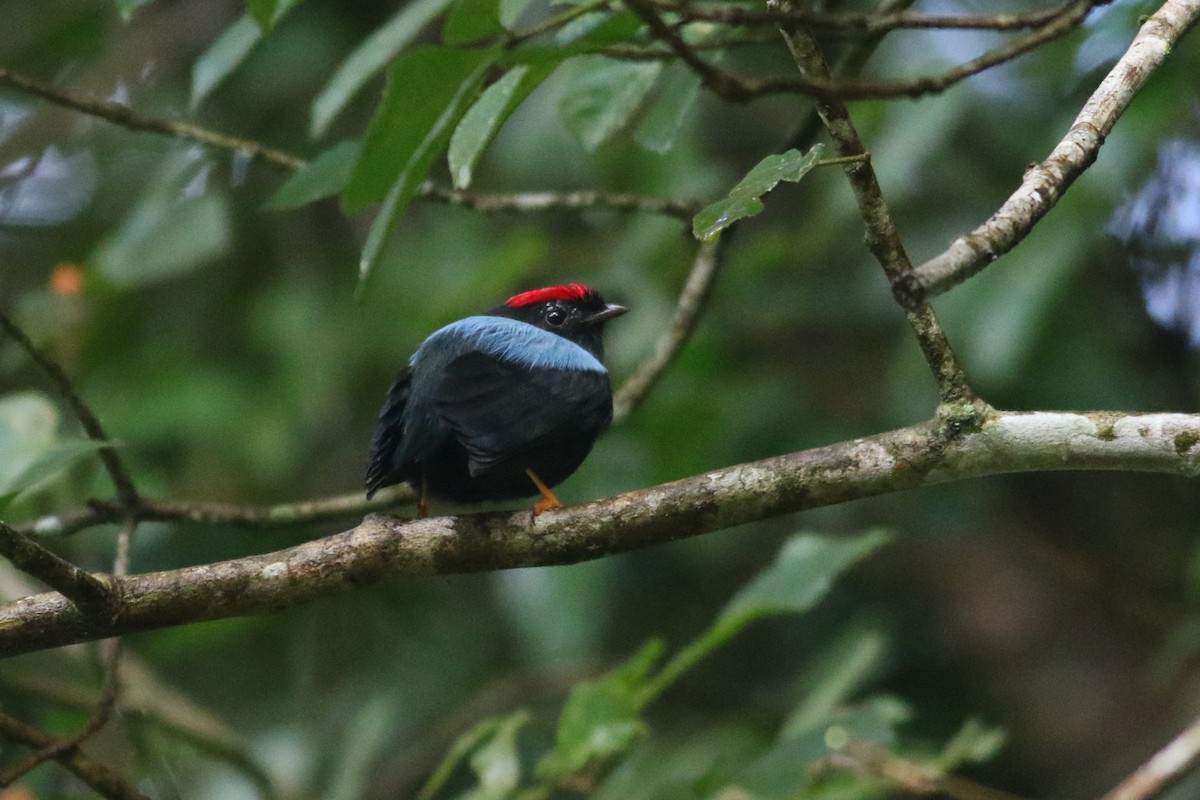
x: 510, y: 340
x: 506, y: 339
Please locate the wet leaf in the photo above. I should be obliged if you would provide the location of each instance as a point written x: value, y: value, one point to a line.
x: 484, y: 119
x: 369, y: 58
x: 423, y: 86
x: 744, y: 200
x: 324, y: 176
x: 34, y: 452
x: 471, y: 21
x: 601, y: 718
x: 393, y: 139
x: 661, y: 126
x: 223, y: 56
x: 268, y: 12
x: 602, y: 95
x: 162, y: 239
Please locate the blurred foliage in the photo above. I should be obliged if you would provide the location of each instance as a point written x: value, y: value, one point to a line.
x: 205, y: 305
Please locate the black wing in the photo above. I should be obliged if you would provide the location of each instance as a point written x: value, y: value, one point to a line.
x: 381, y: 469
x: 499, y: 410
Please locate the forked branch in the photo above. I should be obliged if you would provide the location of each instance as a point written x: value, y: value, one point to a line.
x: 1045, y: 183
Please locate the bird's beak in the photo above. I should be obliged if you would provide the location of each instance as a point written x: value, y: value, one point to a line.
x: 611, y: 310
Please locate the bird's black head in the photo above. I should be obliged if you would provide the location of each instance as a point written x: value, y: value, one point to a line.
x: 572, y: 311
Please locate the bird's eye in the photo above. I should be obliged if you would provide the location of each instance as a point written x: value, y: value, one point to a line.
x: 555, y: 316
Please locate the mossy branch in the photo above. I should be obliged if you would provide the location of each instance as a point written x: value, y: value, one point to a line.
x: 963, y: 441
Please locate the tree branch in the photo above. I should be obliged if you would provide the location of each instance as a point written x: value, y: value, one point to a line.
x: 858, y: 23
x: 147, y: 699
x: 91, y: 593
x: 126, y: 117
x: 546, y: 201
x: 850, y: 62
x: 94, y: 773
x: 729, y: 87
x: 692, y: 301
x: 1163, y: 770
x: 881, y: 235
x: 873, y: 760
x: 964, y: 442
x: 303, y: 512
x: 87, y: 420
x: 1045, y: 183
x: 123, y: 115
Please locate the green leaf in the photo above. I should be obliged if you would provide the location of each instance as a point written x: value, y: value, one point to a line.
x: 223, y: 56
x: 779, y: 772
x: 267, y: 13
x: 472, y: 20
x: 324, y: 176
x: 800, y: 577
x: 33, y: 452
x: 392, y: 143
x: 743, y: 200
x: 602, y: 94
x: 163, y: 238
x: 598, y: 29
x: 511, y: 10
x: 369, y: 58
x: 484, y: 119
x: 126, y: 7
x: 367, y: 737
x: 48, y: 464
x: 831, y: 680
x: 601, y: 718
x: 497, y: 763
x: 660, y: 128
x: 974, y: 743
x: 422, y: 86
x: 459, y: 750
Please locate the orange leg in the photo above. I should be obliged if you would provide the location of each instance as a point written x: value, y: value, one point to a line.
x: 548, y: 500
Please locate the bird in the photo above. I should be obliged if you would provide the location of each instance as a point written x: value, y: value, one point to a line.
x: 499, y: 406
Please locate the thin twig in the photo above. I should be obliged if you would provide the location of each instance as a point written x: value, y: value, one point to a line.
x: 87, y: 419
x: 554, y: 22
x: 882, y: 237
x: 692, y: 301
x: 93, y: 594
x: 28, y: 552
x: 305, y: 512
x: 1045, y: 183
x: 146, y: 698
x: 1063, y: 22
x: 55, y: 748
x: 94, y: 773
x: 850, y: 62
x: 546, y: 201
x: 870, y: 759
x: 1164, y: 769
x: 120, y: 114
x: 109, y: 692
x: 734, y: 89
x: 858, y: 23
x: 649, y: 53
x: 126, y: 117
x: 719, y: 81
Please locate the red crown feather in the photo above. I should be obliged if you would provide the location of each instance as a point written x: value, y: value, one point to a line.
x: 570, y: 291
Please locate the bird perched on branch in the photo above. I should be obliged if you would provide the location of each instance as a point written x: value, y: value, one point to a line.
x: 499, y: 406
